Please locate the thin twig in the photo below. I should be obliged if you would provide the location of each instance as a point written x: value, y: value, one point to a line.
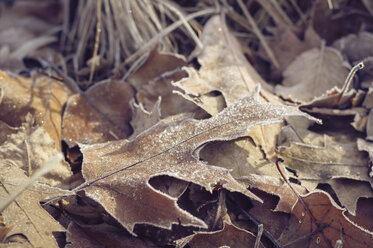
x: 257, y: 223
x: 259, y: 236
x: 49, y: 165
x: 97, y: 41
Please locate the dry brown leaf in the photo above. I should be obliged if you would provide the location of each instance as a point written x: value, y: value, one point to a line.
x: 350, y: 191
x: 100, y: 114
x: 44, y: 99
x: 117, y: 173
x: 153, y: 80
x: 29, y: 148
x: 320, y: 209
x: 355, y: 47
x: 331, y: 24
x: 25, y: 214
x: 364, y: 214
x: 142, y: 119
x: 312, y: 74
x: 223, y: 68
x: 334, y: 159
x: 286, y: 46
x: 241, y: 156
x: 100, y: 236
x: 318, y: 159
x: 275, y: 186
x: 367, y: 146
x: 229, y: 236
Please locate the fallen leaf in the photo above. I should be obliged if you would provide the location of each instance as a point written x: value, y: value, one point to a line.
x: 286, y: 46
x: 100, y: 236
x: 25, y: 214
x: 316, y: 159
x: 143, y: 119
x: 29, y: 148
x: 355, y: 47
x: 117, y: 173
x: 337, y: 157
x: 44, y: 98
x: 223, y: 68
x: 230, y: 236
x: 312, y: 74
x: 332, y: 25
x: 316, y: 210
x: 153, y: 80
x: 364, y: 215
x: 100, y: 114
x: 275, y: 186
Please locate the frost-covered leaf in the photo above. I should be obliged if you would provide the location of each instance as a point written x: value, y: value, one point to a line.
x: 25, y: 214
x: 318, y: 212
x: 117, y: 173
x: 312, y: 74
x: 100, y: 114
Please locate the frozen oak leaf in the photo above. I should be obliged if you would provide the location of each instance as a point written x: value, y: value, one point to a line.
x: 312, y: 74
x: 117, y: 173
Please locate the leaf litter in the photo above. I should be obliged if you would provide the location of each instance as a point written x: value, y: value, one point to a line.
x: 167, y: 138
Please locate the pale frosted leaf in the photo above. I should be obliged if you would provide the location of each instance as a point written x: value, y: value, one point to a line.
x: 313, y: 74
x: 118, y: 172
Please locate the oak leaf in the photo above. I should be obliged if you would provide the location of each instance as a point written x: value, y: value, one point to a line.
x: 117, y: 173
x: 325, y: 224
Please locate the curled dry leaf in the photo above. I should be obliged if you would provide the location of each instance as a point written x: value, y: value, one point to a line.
x: 142, y: 119
x: 25, y: 214
x: 117, y: 173
x: 153, y: 80
x: 229, y: 236
x: 314, y: 73
x: 324, y: 222
x: 275, y: 186
x: 29, y: 148
x: 100, y: 114
x: 43, y: 97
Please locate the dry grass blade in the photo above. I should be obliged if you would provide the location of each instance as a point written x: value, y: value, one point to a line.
x: 48, y: 166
